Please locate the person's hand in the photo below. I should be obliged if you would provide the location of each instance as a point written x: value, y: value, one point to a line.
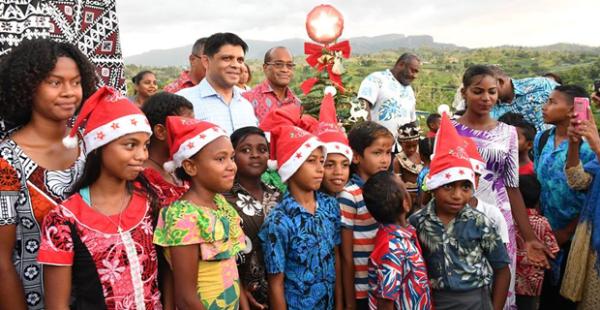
x: 574, y: 136
x: 537, y: 254
x: 596, y: 98
x: 251, y: 300
x: 586, y: 128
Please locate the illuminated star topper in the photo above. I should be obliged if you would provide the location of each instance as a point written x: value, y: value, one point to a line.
x: 324, y: 24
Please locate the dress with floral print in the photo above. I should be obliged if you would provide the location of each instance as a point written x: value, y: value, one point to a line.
x: 218, y: 234
x: 251, y: 264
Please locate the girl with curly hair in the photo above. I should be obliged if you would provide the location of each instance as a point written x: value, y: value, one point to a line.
x: 42, y: 84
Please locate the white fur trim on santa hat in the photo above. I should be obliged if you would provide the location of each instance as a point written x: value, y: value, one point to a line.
x: 70, y: 142
x: 115, y: 129
x: 288, y: 168
x: 330, y: 90
x: 190, y: 147
x: 339, y: 148
x: 448, y: 176
x: 478, y: 166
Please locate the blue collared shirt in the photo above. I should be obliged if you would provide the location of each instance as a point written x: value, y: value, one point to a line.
x: 559, y: 203
x: 211, y: 107
x: 457, y: 255
x: 530, y: 96
x: 301, y: 245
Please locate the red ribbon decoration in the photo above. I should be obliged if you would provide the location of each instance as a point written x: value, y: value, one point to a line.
x: 314, y: 53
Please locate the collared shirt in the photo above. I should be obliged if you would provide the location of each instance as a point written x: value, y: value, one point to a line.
x: 209, y: 106
x: 301, y: 245
x: 397, y: 270
x: 183, y: 81
x: 457, y: 255
x: 263, y: 99
x: 393, y: 104
x: 529, y: 277
x: 530, y: 96
x: 559, y: 203
x: 356, y: 217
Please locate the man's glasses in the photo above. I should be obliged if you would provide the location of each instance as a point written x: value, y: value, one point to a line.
x: 281, y: 64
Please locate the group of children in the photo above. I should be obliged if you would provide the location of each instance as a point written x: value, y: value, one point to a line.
x: 172, y: 212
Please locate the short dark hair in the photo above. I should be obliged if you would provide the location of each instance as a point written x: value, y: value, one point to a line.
x: 239, y: 134
x: 268, y: 54
x: 164, y: 104
x: 530, y: 188
x: 475, y: 71
x: 572, y: 91
x: 406, y: 58
x: 432, y: 118
x: 384, y: 197
x: 553, y: 76
x: 216, y: 41
x: 498, y: 71
x: 24, y: 68
x: 198, y: 47
x: 136, y: 79
x: 517, y: 120
x: 362, y: 135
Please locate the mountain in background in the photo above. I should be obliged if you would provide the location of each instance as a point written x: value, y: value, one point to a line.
x: 360, y: 45
x: 257, y: 48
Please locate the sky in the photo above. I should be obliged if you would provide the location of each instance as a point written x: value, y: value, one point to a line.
x: 162, y: 24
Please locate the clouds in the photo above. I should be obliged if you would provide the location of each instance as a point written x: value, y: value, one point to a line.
x: 154, y: 24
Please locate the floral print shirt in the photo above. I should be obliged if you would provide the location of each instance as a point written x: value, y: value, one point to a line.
x: 457, y: 256
x: 251, y: 264
x: 301, y: 246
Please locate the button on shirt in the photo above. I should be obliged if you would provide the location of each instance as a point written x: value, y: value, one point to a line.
x: 530, y: 96
x: 393, y: 104
x: 209, y: 106
x: 263, y: 99
x: 457, y: 256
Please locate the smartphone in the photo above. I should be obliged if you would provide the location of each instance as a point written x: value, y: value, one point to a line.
x: 581, y: 106
x: 597, y: 87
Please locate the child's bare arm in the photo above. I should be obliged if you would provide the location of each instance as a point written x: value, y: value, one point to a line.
x: 185, y: 276
x: 348, y: 268
x: 339, y: 291
x: 500, y: 287
x: 277, y: 291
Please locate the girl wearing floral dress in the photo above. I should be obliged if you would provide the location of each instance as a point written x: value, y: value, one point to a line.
x: 201, y: 232
x: 97, y: 245
x: 252, y: 199
x: 499, y: 184
x: 42, y: 83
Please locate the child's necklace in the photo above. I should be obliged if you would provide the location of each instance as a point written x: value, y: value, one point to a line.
x: 123, y: 207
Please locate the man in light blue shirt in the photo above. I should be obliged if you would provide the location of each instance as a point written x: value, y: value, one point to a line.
x: 215, y: 98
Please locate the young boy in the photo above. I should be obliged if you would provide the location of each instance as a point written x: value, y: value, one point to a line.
x: 407, y: 163
x: 459, y: 244
x: 526, y: 133
x: 301, y: 235
x: 558, y: 202
x: 371, y: 144
x: 529, y: 278
x: 433, y: 123
x: 397, y: 273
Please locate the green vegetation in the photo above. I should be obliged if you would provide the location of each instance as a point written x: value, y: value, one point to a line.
x: 441, y: 73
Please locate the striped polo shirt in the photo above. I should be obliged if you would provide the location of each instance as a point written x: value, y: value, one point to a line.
x: 356, y: 217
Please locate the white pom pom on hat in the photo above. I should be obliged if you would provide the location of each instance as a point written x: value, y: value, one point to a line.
x: 70, y: 142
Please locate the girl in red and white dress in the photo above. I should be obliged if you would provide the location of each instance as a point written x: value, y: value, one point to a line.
x: 97, y: 245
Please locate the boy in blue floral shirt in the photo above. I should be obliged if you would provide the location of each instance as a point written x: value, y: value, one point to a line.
x: 459, y: 243
x: 301, y: 235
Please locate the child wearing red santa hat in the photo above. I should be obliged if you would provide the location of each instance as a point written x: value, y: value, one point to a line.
x: 463, y: 252
x: 301, y: 235
x: 97, y: 245
x: 201, y: 232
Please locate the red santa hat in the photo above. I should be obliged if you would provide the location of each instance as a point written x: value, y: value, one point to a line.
x: 292, y: 146
x: 476, y: 160
x: 186, y: 137
x: 451, y: 161
x: 328, y: 131
x: 107, y: 116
